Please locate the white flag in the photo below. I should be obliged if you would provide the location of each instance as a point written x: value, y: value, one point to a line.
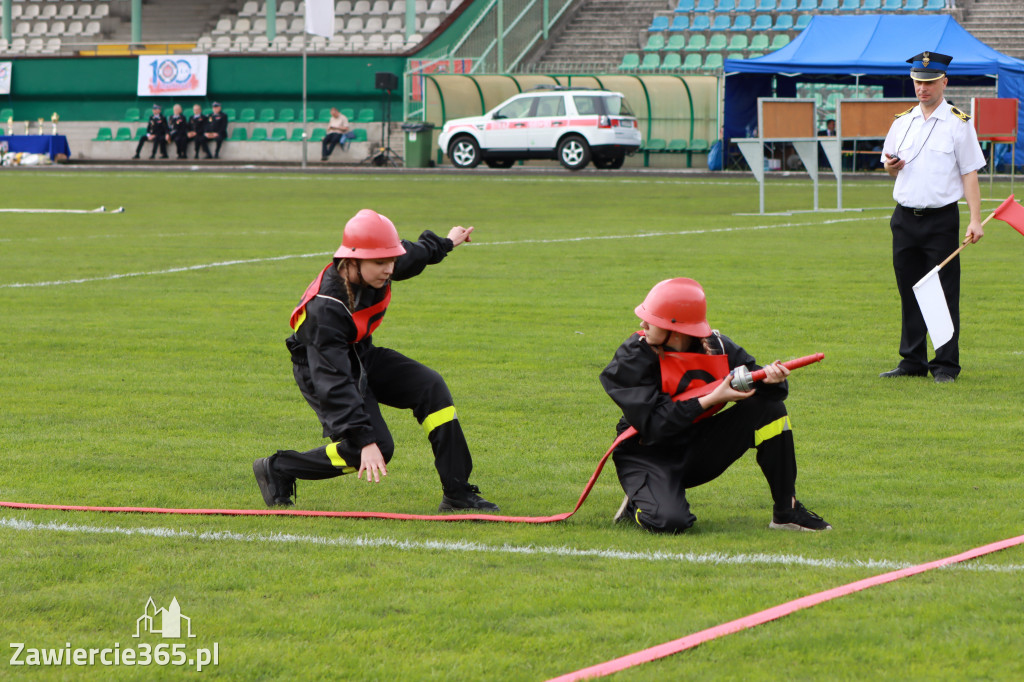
x: 932, y: 302
x: 320, y: 17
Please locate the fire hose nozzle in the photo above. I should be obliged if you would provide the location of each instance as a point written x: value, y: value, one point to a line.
x: 741, y: 379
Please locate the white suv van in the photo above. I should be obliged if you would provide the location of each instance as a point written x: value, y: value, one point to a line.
x: 574, y: 126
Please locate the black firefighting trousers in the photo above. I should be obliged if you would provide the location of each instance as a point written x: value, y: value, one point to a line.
x: 656, y: 478
x: 396, y: 381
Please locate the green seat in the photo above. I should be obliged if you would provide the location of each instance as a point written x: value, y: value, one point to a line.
x: 279, y: 135
x: 6, y: 114
x: 259, y: 135
x: 630, y: 61
x: 673, y: 61
x: 139, y: 134
x: 759, y: 42
x: 697, y: 43
x: 296, y: 135
x: 248, y: 115
x: 310, y: 114
x: 324, y: 116
x: 779, y: 41
x: 359, y: 135
x: 266, y: 115
x: 365, y: 116
x: 230, y: 113
x: 123, y: 135
x: 698, y: 145
x: 717, y: 42
x: 676, y: 42
x: 713, y: 61
x: 655, y: 145
x: 651, y: 62
x: 318, y: 135
x: 286, y: 115
x: 654, y: 43
x: 692, y: 62
x: 239, y: 134
x: 102, y: 135
x: 754, y: 55
x: 347, y: 113
x: 738, y: 43
x: 131, y: 114
x: 677, y: 145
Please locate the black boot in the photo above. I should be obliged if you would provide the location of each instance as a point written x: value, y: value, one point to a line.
x: 465, y: 498
x: 277, y: 490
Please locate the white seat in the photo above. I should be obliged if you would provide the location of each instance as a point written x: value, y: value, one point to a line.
x: 356, y: 43
x: 92, y: 28
x: 259, y: 44
x: 66, y: 11
x: 296, y: 44
x: 3, y: 45
x: 373, y: 25
x: 39, y: 28
x: 35, y: 45
x: 101, y: 11
x: 339, y: 25
x: 375, y: 42
x: 454, y: 5
x: 280, y: 25
x: 52, y: 46
x: 286, y: 8
x: 398, y: 7
x: 84, y: 11
x: 203, y: 44
x: 298, y: 25
x: 48, y: 12
x: 438, y: 7
x: 57, y: 28
x: 17, y: 45
x: 222, y: 44
x: 249, y: 9
x: 222, y: 27
x: 337, y: 43
x: 241, y: 43
x: 429, y: 24
x: 421, y: 6
x: 361, y: 7
x: 16, y: 11
x: 241, y: 26
x: 354, y: 25
x: 279, y: 44
x: 343, y: 7
x: 394, y: 25
x: 316, y: 43
x: 414, y: 40
x: 74, y: 28
x: 259, y: 25
x: 380, y: 7
x: 22, y: 28
x: 30, y: 12
x: 396, y: 42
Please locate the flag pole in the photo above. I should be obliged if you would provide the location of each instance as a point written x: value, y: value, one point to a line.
x: 305, y: 131
x: 967, y: 240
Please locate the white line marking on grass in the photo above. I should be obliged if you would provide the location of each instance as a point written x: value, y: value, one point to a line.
x: 101, y: 209
x: 363, y: 541
x: 247, y: 261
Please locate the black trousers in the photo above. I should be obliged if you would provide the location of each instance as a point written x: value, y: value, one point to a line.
x: 159, y: 142
x: 655, y: 478
x: 201, y: 144
x: 919, y: 243
x: 182, y: 145
x: 396, y: 381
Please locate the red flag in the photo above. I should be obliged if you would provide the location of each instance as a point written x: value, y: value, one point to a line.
x: 1012, y: 213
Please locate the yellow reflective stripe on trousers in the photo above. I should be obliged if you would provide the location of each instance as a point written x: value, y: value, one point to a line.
x: 437, y: 418
x: 336, y: 459
x: 771, y: 430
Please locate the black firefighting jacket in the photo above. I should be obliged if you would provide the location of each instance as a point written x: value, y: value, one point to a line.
x: 325, y: 339
x: 633, y: 380
x: 157, y: 125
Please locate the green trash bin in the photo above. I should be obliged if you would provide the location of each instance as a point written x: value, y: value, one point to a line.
x: 419, y: 144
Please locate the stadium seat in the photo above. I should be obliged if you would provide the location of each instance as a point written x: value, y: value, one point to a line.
x: 259, y: 135
x: 75, y: 28
x: 350, y: 114
x: 763, y: 22
x: 651, y: 62
x: 658, y: 24
x: 726, y: 6
x: 102, y: 135
x: 248, y: 115
x: 676, y: 42
x: 229, y: 112
x: 365, y: 116
x: 139, y: 134
x: 83, y: 12
x: 630, y: 61
x: 892, y: 5
x: 738, y: 43
x: 692, y: 62
x: 48, y: 12
x: 849, y: 6
x: 673, y: 62
x: 784, y: 22
x: 698, y: 145
x: 913, y: 5
x: 241, y: 26
x: 286, y: 115
x: 655, y: 145
x: 754, y: 55
x: 697, y: 43
x: 677, y: 145
x: 5, y: 114
x: 654, y: 43
x: 131, y: 114
x: 787, y: 5
x: 745, y: 5
x: 935, y: 5
x: 296, y: 135
x: 239, y: 134
x: 717, y: 42
x: 828, y: 5
x: 324, y: 115
x: 808, y: 6
x: 318, y: 135
x: 266, y: 115
x: 700, y: 23
x: 345, y: 7
x: 123, y: 135
x: 278, y: 135
x: 92, y: 28
x: 742, y: 23
x: 394, y: 25
x: 249, y: 9
x: 766, y: 5
x: 871, y: 5
x: 779, y: 42
x: 359, y: 135
x: 686, y: 6
x: 382, y: 7
x: 802, y: 20
x: 759, y: 42
x: 680, y: 22
x: 721, y: 23
x: 713, y: 61
x: 705, y: 6
x: 310, y: 114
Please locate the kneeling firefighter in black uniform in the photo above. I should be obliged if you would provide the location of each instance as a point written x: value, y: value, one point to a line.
x: 690, y: 441
x: 344, y: 377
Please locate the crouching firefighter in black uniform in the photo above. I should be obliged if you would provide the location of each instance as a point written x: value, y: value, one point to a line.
x: 689, y: 441
x: 343, y: 376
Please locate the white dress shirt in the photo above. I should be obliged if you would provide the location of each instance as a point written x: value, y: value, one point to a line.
x: 938, y: 152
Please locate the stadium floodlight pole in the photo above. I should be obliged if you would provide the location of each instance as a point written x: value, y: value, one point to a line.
x: 7, y: 20
x: 136, y: 22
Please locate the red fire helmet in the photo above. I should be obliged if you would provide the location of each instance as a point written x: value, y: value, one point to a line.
x: 367, y: 235
x: 677, y: 305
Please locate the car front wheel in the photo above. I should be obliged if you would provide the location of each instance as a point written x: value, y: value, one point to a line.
x: 573, y: 152
x: 464, y: 152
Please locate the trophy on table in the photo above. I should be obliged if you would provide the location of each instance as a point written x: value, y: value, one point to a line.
x: 54, y: 119
x: 10, y: 125
x: 40, y: 126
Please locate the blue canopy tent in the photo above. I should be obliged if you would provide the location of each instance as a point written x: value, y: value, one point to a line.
x: 868, y: 49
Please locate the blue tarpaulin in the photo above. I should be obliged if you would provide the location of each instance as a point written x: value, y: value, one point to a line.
x: 871, y: 49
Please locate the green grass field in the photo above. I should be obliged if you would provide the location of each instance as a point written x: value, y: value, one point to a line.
x: 160, y: 389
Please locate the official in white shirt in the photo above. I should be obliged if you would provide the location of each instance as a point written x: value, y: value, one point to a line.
x: 932, y: 150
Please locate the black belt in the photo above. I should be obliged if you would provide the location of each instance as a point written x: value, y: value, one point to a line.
x: 926, y: 211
